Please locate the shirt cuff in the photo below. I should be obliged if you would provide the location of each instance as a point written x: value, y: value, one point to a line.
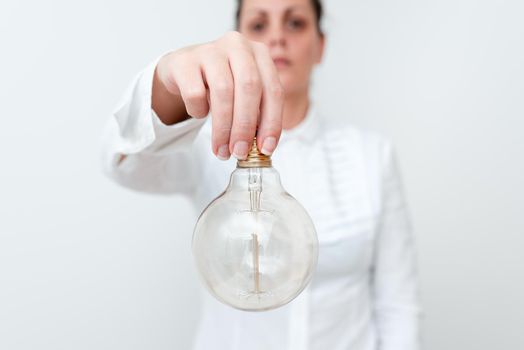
x: 140, y: 128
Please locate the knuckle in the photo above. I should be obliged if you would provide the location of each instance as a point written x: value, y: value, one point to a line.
x: 244, y: 126
x: 181, y: 57
x: 251, y: 84
x: 232, y: 35
x: 210, y: 50
x: 195, y: 94
x: 260, y: 47
x: 276, y: 91
x: 271, y: 125
x: 224, y: 89
x: 273, y: 129
x: 222, y: 132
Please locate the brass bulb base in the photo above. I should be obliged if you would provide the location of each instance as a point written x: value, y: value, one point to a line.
x: 255, y: 158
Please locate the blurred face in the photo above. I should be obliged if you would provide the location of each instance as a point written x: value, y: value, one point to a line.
x: 289, y: 29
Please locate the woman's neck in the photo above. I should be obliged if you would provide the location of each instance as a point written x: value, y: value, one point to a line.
x: 295, y: 110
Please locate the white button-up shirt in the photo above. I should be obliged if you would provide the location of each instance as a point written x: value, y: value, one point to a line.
x: 363, y: 295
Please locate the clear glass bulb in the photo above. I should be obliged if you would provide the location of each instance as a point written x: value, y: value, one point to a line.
x: 255, y: 246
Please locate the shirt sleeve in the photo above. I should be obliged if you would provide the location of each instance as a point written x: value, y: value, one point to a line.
x: 396, y: 300
x: 140, y: 152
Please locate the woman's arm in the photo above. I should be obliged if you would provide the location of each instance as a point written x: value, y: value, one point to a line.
x: 396, y: 300
x: 147, y: 142
x: 140, y: 152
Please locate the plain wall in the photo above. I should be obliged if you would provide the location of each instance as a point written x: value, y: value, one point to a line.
x: 86, y: 264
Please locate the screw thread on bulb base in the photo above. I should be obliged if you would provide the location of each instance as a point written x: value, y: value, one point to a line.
x: 255, y: 158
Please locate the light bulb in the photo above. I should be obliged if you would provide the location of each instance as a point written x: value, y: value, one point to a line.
x: 255, y: 246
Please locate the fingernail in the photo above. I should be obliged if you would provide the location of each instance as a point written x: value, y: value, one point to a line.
x: 240, y: 150
x: 269, y: 145
x: 223, y: 152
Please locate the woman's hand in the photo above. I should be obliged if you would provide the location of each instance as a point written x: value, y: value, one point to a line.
x: 233, y: 78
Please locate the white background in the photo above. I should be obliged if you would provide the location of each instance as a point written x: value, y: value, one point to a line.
x: 85, y: 264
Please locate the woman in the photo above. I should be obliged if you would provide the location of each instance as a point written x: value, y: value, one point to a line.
x: 256, y: 81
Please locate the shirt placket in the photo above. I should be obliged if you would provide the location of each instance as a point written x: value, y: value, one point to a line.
x: 300, y: 307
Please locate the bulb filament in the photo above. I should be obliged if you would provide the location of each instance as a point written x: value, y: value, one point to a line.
x: 255, y: 188
x: 256, y: 271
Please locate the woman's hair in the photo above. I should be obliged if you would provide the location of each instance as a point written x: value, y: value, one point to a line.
x: 317, y: 7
